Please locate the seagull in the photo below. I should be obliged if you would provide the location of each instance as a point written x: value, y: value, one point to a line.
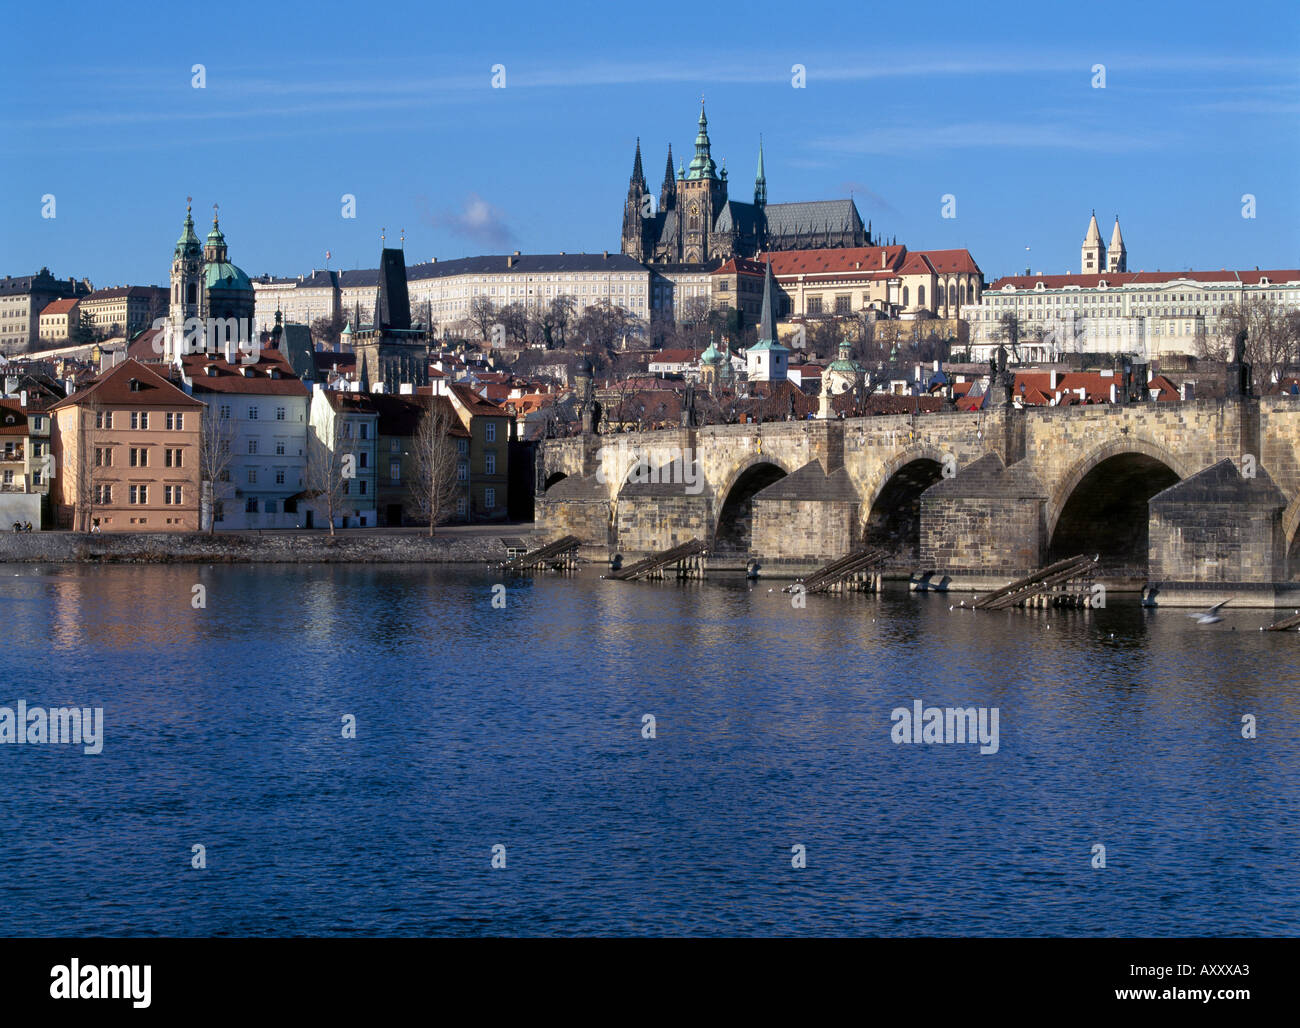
x: 1209, y: 617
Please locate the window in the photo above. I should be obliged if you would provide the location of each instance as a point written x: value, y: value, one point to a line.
x: 362, y: 486
x: 8, y: 478
x: 139, y: 457
x: 460, y: 507
x: 462, y: 471
x: 842, y: 304
x: 103, y: 494
x: 139, y: 494
x: 363, y: 431
x: 394, y: 445
x: 103, y: 419
x: 252, y: 446
x: 135, y: 420
x: 252, y: 413
x: 361, y: 459
x: 489, y: 498
x: 104, y: 457
x: 225, y: 411
x: 279, y: 413
x: 490, y: 463
x: 279, y: 447
x: 814, y: 305
x: 462, y: 446
x: 491, y: 432
x: 219, y: 512
x: 250, y: 505
x: 395, y: 471
x: 172, y: 494
x: 252, y: 476
x: 279, y: 476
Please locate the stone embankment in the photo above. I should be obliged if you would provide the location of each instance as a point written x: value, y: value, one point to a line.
x: 252, y: 548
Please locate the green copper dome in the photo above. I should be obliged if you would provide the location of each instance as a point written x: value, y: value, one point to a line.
x: 224, y: 275
x: 711, y: 355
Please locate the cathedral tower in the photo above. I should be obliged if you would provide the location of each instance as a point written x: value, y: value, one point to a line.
x: 636, y: 212
x: 700, y: 196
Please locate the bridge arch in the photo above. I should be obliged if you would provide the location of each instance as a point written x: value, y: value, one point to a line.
x: 733, y: 523
x: 1100, y: 504
x: 892, y: 515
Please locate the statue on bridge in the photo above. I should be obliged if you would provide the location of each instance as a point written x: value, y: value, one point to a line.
x: 1239, y: 377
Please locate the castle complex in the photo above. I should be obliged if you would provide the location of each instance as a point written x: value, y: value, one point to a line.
x: 696, y: 221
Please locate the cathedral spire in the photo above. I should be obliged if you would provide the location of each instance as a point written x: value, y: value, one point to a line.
x: 638, y: 176
x: 668, y: 191
x: 702, y: 165
x: 760, y: 180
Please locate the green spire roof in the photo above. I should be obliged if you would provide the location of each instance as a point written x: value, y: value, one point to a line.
x: 760, y: 179
x: 767, y: 339
x: 215, y: 238
x: 702, y: 165
x: 711, y: 355
x: 188, y: 244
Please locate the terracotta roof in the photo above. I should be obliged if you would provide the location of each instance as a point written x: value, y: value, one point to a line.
x: 349, y: 403
x: 211, y: 374
x: 951, y: 261
x: 11, y: 408
x: 476, y: 404
x: 113, y: 387
x: 858, y: 258
x: 1144, y: 278
x: 59, y: 307
x: 676, y: 357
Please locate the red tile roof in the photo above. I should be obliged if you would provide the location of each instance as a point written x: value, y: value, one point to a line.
x: 858, y: 258
x: 113, y: 388
x: 59, y: 307
x: 1145, y: 278
x: 269, y: 375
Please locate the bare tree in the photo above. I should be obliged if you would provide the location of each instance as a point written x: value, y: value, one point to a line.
x: 89, y: 462
x: 216, y: 449
x: 1272, y: 335
x: 329, y: 469
x: 1011, y: 331
x: 434, y: 481
x: 483, y: 315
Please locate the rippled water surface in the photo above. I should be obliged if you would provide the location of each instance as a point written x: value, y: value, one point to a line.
x: 522, y: 727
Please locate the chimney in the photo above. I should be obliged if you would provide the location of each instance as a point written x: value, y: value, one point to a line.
x: 1052, y: 383
x: 1113, y: 397
x: 606, y: 255
x: 884, y: 258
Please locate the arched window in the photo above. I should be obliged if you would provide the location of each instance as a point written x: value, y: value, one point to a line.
x: 904, y: 296
x: 920, y: 296
x: 190, y: 294
x: 963, y: 293
x: 941, y: 299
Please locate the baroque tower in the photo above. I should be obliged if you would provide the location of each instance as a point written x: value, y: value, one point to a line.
x: 187, y: 276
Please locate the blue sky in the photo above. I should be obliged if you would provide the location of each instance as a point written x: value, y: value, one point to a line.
x: 392, y: 103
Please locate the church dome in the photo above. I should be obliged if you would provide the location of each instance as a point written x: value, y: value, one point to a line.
x: 224, y: 275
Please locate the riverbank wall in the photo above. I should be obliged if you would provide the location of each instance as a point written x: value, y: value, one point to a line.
x: 249, y: 548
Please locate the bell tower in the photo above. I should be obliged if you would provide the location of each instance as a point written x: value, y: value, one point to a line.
x: 186, y: 300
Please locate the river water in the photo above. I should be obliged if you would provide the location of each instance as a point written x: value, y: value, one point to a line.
x: 482, y: 726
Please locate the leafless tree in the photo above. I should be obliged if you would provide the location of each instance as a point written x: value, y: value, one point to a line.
x: 1272, y: 335
x: 89, y: 462
x: 435, y: 485
x: 483, y: 314
x: 328, y: 469
x: 216, y: 449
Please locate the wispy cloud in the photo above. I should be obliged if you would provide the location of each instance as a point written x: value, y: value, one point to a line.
x: 903, y: 140
x: 873, y: 199
x: 476, y: 219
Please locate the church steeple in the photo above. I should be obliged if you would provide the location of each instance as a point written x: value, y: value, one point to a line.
x: 702, y: 165
x: 1117, y: 257
x: 638, y: 176
x: 668, y: 191
x: 1093, y: 259
x: 214, y: 250
x: 760, y: 180
x: 186, y: 297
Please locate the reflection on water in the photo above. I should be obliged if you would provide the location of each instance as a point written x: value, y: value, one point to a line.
x: 522, y: 726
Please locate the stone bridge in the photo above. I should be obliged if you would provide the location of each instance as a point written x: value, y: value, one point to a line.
x: 973, y: 495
